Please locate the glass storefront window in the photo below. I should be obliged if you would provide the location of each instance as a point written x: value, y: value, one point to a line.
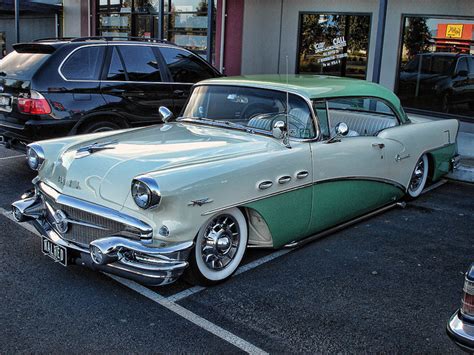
x: 436, y: 71
x: 184, y: 22
x: 334, y: 44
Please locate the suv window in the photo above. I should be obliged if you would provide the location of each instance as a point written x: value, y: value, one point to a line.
x: 22, y: 65
x: 116, y: 70
x: 186, y: 67
x: 363, y: 116
x: 462, y: 65
x: 140, y: 63
x: 84, y: 64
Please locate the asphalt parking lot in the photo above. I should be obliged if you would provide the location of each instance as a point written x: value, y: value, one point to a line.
x: 388, y: 284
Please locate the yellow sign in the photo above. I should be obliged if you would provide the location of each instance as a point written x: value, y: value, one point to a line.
x: 454, y: 31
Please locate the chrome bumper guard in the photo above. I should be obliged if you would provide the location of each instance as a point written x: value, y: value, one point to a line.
x: 117, y: 255
x: 461, y: 332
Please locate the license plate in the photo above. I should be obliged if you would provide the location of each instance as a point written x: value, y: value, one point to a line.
x: 54, y: 251
x: 4, y: 101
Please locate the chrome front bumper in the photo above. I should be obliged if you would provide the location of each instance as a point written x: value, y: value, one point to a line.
x: 115, y: 254
x: 461, y: 332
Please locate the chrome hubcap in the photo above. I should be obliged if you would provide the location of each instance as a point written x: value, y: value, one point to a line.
x: 417, y: 176
x: 220, y: 243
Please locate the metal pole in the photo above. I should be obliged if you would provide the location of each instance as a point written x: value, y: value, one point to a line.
x: 222, y: 47
x: 17, y: 21
x: 379, y: 41
x: 210, y: 8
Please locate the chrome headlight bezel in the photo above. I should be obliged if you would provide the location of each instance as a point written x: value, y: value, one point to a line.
x: 145, y: 192
x: 34, y: 156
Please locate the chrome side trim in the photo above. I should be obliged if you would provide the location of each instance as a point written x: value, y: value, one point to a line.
x: 284, y: 179
x: 362, y: 178
x: 302, y: 174
x: 265, y: 185
x: 146, y: 231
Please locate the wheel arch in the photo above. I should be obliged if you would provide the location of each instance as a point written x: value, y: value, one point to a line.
x: 259, y: 234
x: 96, y: 116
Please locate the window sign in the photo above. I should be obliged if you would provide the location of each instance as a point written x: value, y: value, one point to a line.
x: 334, y: 44
x: 436, y: 71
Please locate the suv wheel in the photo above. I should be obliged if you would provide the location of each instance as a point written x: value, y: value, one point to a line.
x: 100, y: 126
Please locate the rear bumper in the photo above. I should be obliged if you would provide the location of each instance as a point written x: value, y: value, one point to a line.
x: 461, y: 332
x: 17, y: 135
x: 114, y: 254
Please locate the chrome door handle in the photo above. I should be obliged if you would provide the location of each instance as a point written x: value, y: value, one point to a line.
x: 265, y: 185
x: 284, y: 179
x: 302, y: 174
x: 379, y: 145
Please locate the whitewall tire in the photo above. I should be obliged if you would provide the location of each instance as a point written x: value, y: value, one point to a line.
x: 220, y: 246
x: 418, y: 177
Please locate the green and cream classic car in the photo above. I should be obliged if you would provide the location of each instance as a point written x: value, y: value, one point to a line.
x: 254, y: 161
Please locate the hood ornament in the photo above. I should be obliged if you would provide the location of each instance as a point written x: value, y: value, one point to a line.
x: 94, y: 147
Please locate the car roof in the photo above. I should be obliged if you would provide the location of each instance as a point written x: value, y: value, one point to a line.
x: 310, y: 86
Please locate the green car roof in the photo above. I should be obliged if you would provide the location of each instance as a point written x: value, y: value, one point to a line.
x: 315, y: 86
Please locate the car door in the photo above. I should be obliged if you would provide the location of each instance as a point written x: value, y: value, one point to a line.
x: 354, y: 174
x: 185, y: 69
x: 134, y: 84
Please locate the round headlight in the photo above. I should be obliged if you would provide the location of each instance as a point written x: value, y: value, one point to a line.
x: 146, y: 192
x: 34, y: 156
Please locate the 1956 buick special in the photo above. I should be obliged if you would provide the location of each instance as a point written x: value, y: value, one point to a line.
x: 260, y: 161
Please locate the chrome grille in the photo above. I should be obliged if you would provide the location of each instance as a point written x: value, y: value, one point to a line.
x: 83, y: 234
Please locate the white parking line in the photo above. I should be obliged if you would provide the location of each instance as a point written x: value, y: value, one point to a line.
x: 252, y: 265
x: 14, y: 156
x: 190, y: 316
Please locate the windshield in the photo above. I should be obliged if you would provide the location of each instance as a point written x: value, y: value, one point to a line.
x: 250, y: 108
x: 22, y: 65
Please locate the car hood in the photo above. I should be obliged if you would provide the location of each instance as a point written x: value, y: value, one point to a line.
x: 107, y: 174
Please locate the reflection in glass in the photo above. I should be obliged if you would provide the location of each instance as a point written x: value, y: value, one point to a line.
x: 436, y: 65
x: 334, y: 44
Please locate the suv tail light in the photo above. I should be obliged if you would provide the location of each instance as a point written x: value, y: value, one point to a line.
x: 467, y: 303
x: 36, y: 104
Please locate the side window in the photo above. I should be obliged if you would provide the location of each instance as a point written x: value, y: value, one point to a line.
x: 300, y: 123
x: 140, y: 63
x: 363, y: 116
x: 185, y: 67
x: 84, y: 64
x: 471, y: 66
x: 116, y: 70
x: 462, y: 65
x: 322, y: 114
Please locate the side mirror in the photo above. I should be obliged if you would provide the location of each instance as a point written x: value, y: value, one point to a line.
x: 341, y: 129
x: 279, y: 129
x: 463, y: 73
x: 165, y: 113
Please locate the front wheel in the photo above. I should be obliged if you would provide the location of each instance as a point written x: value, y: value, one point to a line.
x: 219, y: 249
x: 418, y: 177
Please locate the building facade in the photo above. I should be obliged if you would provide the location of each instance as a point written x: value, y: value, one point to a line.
x: 423, y: 50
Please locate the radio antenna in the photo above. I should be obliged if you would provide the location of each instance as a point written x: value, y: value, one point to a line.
x: 286, y: 137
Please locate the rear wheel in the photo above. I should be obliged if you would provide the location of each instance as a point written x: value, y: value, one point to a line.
x: 100, y: 126
x: 418, y: 177
x: 219, y: 249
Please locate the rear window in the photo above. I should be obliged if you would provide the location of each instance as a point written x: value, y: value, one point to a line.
x: 84, y: 64
x: 22, y: 65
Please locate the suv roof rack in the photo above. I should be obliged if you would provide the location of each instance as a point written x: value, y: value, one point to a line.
x: 53, y: 39
x: 119, y: 38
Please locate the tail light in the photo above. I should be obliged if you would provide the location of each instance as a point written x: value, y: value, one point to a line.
x: 36, y: 104
x: 467, y: 303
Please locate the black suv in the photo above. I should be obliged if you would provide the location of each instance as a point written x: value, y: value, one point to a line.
x: 54, y: 88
